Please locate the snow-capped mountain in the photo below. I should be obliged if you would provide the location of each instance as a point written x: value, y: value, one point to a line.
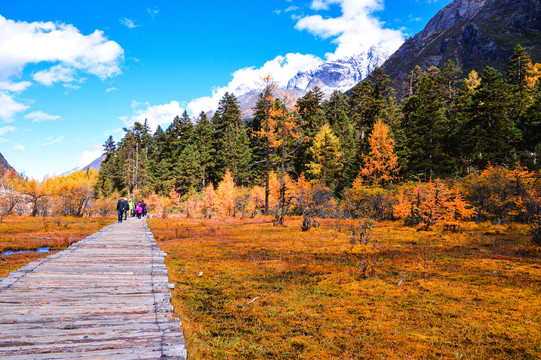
x: 341, y: 74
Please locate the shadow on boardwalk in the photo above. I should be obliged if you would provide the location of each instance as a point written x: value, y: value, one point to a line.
x: 103, y: 297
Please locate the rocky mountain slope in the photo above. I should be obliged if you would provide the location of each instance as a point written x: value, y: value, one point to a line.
x: 472, y: 33
x: 4, y: 163
x: 96, y: 164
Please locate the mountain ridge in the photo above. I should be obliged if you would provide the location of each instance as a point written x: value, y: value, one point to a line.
x: 472, y: 33
x: 338, y: 74
x: 4, y: 163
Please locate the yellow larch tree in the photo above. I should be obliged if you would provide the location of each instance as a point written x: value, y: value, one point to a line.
x: 381, y: 165
x: 210, y: 200
x: 226, y: 194
x: 326, y: 155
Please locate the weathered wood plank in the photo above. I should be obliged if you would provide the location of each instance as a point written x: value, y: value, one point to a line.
x: 105, y: 297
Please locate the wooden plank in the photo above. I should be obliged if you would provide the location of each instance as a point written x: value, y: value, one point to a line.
x: 105, y: 297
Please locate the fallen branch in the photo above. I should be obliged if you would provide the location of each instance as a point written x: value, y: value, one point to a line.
x: 38, y: 237
x: 3, y: 258
x: 251, y: 301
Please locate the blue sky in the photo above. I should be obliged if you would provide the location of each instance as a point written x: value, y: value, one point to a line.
x: 72, y: 73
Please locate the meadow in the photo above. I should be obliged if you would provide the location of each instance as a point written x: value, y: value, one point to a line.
x: 21, y: 232
x: 246, y: 289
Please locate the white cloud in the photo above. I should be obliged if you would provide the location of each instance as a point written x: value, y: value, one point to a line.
x: 9, y: 107
x: 154, y: 114
x: 128, y: 23
x: 19, y: 147
x: 2, y: 140
x: 40, y: 116
x: 14, y: 87
x: 281, y: 68
x: 58, y: 73
x: 90, y: 155
x: 153, y: 12
x: 355, y: 30
x: 5, y: 129
x: 23, y: 43
x: 110, y: 89
x: 52, y: 140
x: 320, y: 4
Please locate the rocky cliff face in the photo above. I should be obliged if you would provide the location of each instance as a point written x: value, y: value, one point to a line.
x: 4, y: 163
x: 472, y: 33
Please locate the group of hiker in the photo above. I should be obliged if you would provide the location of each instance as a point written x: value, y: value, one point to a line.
x: 125, y: 207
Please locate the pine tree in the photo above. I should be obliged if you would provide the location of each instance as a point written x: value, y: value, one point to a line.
x: 162, y: 177
x: 519, y: 73
x: 414, y: 82
x: 178, y: 135
x: 242, y: 159
x: 531, y: 131
x: 188, y: 170
x: 425, y: 132
x: 310, y: 110
x: 262, y: 131
x: 107, y: 177
x: 203, y: 140
x: 489, y: 133
x: 227, y: 124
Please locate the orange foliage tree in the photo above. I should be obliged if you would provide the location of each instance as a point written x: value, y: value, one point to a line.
x: 226, y: 194
x: 281, y: 125
x: 157, y: 204
x: 381, y: 165
x: 73, y: 192
x: 210, y: 201
x: 430, y: 203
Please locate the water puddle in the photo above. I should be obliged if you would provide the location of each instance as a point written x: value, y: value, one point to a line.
x: 42, y: 250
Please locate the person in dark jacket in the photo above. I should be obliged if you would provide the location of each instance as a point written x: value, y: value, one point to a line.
x: 120, y: 206
x: 145, y: 207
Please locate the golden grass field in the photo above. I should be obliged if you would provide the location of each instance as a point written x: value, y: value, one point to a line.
x: 31, y: 233
x: 468, y: 295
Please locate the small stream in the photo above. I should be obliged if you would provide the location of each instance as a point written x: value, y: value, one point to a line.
x: 42, y: 250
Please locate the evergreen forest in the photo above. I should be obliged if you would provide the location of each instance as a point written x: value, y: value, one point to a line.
x: 449, y: 126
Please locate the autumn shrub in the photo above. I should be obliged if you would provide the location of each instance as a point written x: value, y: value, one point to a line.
x: 502, y: 193
x: 256, y: 203
x: 536, y: 234
x: 367, y: 201
x: 430, y: 203
x: 318, y: 200
x: 106, y: 206
x: 193, y: 204
x: 157, y: 203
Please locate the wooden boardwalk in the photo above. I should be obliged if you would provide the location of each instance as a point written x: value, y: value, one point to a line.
x: 105, y: 297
